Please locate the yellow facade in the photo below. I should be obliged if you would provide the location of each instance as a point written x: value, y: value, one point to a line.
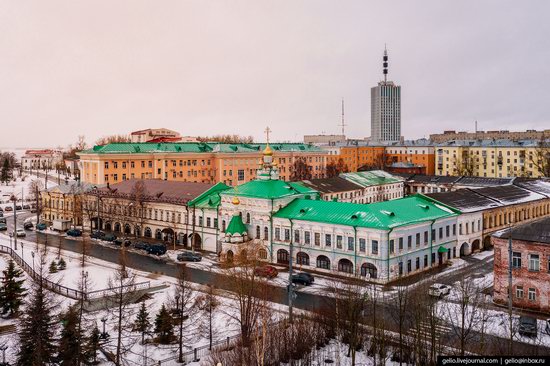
x: 487, y: 161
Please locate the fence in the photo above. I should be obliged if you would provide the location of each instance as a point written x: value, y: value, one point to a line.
x: 196, y: 354
x: 64, y: 290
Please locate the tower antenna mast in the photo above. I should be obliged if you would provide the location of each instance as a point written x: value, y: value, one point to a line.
x: 343, y: 124
x: 385, y: 63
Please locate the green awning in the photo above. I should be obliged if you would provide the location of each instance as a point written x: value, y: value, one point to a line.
x: 442, y: 250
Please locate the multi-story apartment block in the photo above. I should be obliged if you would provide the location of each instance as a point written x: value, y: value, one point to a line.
x: 530, y: 265
x: 231, y: 164
x: 489, y: 135
x: 490, y: 158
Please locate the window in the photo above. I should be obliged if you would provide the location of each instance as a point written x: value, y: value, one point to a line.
x: 351, y: 243
x: 375, y: 247
x: 307, y: 237
x: 400, y: 268
x: 277, y: 233
x: 362, y: 245
x: 426, y: 260
x: 454, y: 229
x: 516, y: 260
x: 409, y: 266
x: 418, y: 239
x: 266, y: 233
x: 106, y: 165
x: 240, y: 174
x: 257, y: 232
x: 208, y: 222
x: 417, y: 263
x: 317, y: 239
x: 534, y: 262
x: 400, y: 244
x: 115, y: 165
x: 433, y: 235
x: 296, y: 236
x: 447, y: 231
x: 248, y: 218
x: 519, y: 292
x: 392, y: 246
x: 425, y: 237
x: 532, y: 294
x: 328, y: 238
x: 409, y: 241
x: 287, y: 235
x: 339, y: 241
x: 440, y: 233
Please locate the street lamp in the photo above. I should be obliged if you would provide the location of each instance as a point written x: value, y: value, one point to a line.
x: 32, y: 254
x: 104, y: 335
x: 22, y: 253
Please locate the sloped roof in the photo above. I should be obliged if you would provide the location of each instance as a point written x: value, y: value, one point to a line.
x: 236, y: 226
x: 509, y: 194
x: 156, y: 190
x: 370, y: 178
x: 381, y: 215
x: 541, y: 186
x: 435, y: 179
x: 464, y: 200
x: 483, y: 181
x: 535, y: 231
x: 71, y: 188
x: 210, y: 198
x: 193, y: 147
x: 269, y: 189
x: 331, y: 185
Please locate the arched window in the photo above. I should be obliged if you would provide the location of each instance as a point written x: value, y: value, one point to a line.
x: 248, y: 217
x: 223, y: 226
x: 345, y: 265
x: 369, y: 270
x: 229, y: 256
x: 282, y: 256
x: 257, y: 232
x: 323, y: 262
x: 262, y: 253
x: 148, y: 233
x: 266, y: 233
x: 302, y: 258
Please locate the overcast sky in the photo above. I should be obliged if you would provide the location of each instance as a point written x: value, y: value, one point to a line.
x: 95, y: 68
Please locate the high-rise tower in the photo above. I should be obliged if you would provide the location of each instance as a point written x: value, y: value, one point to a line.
x: 385, y: 108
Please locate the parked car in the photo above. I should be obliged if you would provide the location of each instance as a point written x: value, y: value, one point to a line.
x: 97, y: 234
x: 189, y: 257
x: 302, y: 279
x: 8, y: 209
x: 1, y: 209
x: 3, y: 227
x: 527, y: 326
x: 439, y: 290
x: 3, y: 220
x: 26, y: 207
x: 156, y: 249
x: 18, y: 207
x: 120, y: 241
x: 1, y: 213
x: 28, y: 225
x: 266, y: 271
x: 74, y: 232
x: 109, y: 237
x: 20, y: 233
x: 41, y: 226
x: 141, y: 245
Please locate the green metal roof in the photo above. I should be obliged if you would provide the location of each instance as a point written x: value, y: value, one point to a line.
x: 269, y: 189
x: 192, y: 147
x: 370, y: 178
x: 381, y: 215
x: 210, y: 198
x: 236, y: 226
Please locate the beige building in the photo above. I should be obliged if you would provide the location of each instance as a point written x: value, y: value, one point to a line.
x: 63, y: 202
x: 488, y: 158
x: 152, y: 134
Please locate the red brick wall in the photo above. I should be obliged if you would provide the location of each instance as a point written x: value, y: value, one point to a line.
x: 540, y: 280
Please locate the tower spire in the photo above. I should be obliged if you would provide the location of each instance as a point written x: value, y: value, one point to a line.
x: 385, y: 63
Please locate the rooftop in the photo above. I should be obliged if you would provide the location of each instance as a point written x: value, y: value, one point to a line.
x: 210, y: 198
x: 535, y: 231
x: 332, y: 185
x: 370, y: 178
x: 193, y: 147
x: 155, y: 190
x: 382, y: 215
x: 464, y: 200
x: 71, y: 187
x: 541, y: 186
x: 509, y: 194
x: 270, y: 189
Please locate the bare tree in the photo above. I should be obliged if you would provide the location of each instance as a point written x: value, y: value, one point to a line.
x: 227, y: 139
x: 112, y: 139
x: 541, y: 158
x: 186, y: 310
x: 139, y: 195
x: 35, y: 186
x: 399, y: 310
x: 300, y: 170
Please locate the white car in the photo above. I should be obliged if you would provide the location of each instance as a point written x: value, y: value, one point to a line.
x: 20, y: 233
x: 439, y: 290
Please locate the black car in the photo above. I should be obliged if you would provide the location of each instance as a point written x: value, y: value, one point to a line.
x: 189, y: 257
x: 303, y: 279
x: 1, y: 213
x: 141, y: 245
x: 528, y: 326
x: 74, y: 232
x: 26, y: 207
x: 97, y: 234
x: 3, y: 220
x: 120, y: 241
x: 18, y: 207
x: 109, y: 237
x: 156, y: 249
x: 1, y: 209
x: 28, y: 225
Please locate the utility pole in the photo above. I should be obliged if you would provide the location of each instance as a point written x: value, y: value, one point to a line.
x: 510, y: 292
x: 14, y: 199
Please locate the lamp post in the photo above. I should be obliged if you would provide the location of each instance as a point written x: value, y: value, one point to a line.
x: 103, y: 335
x: 32, y: 255
x: 14, y: 199
x: 22, y: 253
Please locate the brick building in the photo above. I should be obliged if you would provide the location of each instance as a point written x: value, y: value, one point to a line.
x: 530, y: 265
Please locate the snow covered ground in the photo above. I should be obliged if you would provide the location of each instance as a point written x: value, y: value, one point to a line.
x: 20, y: 188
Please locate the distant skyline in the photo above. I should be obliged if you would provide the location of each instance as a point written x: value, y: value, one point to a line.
x: 103, y: 67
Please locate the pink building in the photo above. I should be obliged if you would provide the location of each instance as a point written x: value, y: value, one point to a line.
x: 530, y: 265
